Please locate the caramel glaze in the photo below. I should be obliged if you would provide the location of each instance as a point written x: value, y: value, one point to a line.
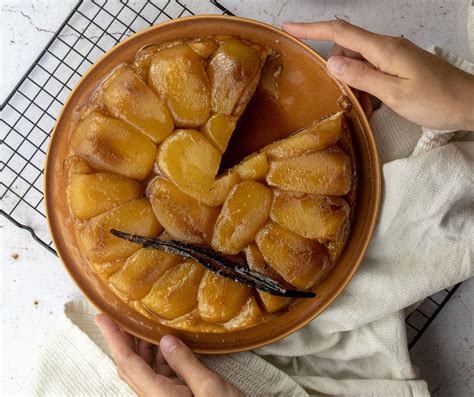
x: 273, y: 113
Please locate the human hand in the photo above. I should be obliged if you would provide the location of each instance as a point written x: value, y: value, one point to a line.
x: 416, y: 84
x: 168, y: 370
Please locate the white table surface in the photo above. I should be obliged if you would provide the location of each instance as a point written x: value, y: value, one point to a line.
x: 34, y: 284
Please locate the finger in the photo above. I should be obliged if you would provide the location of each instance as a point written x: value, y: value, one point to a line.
x: 369, y: 44
x: 366, y: 103
x: 183, y: 361
x: 359, y: 75
x: 161, y: 366
x: 146, y: 350
x: 337, y: 50
x: 109, y: 328
x: 130, y: 366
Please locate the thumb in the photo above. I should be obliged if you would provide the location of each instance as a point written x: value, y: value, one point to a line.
x: 185, y: 364
x: 358, y: 74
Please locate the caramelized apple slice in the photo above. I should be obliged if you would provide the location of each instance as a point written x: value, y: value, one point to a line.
x: 250, y: 316
x: 136, y: 217
x: 300, y: 261
x: 175, y: 293
x: 327, y: 172
x: 192, y: 322
x: 220, y: 299
x: 309, y: 215
x: 318, y: 136
x: 255, y: 261
x: 178, y: 77
x: 75, y: 165
x: 93, y: 194
x: 182, y: 216
x: 107, y: 144
x: 244, y: 212
x: 204, y: 48
x: 234, y: 71
x: 220, y: 189
x: 128, y: 98
x: 141, y: 271
x: 190, y: 161
x: 142, y: 60
x: 253, y: 167
x: 218, y: 129
x: 106, y: 269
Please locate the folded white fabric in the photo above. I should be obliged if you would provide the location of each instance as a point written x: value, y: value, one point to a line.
x: 422, y: 244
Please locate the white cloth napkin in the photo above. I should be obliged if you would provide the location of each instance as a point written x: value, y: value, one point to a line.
x: 423, y: 243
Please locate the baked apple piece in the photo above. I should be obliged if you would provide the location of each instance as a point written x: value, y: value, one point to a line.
x: 234, y: 72
x: 320, y: 135
x: 178, y: 77
x: 327, y: 172
x: 189, y: 160
x: 220, y: 299
x: 310, y: 215
x: 135, y: 217
x: 106, y: 269
x: 111, y: 145
x: 93, y: 194
x: 175, y: 293
x: 218, y: 130
x: 141, y: 62
x: 182, y: 216
x: 75, y: 165
x: 255, y: 261
x: 300, y: 261
x: 253, y: 167
x: 249, y: 316
x: 192, y: 322
x: 141, y: 271
x: 127, y: 97
x: 244, y: 212
x: 204, y: 48
x: 220, y: 189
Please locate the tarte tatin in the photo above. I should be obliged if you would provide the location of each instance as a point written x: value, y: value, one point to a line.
x: 144, y: 160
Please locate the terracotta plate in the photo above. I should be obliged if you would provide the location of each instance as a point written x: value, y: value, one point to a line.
x: 305, y: 93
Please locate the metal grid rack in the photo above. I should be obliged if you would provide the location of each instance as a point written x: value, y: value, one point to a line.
x: 29, y: 112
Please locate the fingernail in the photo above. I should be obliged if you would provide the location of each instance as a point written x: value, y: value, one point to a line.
x: 168, y: 343
x: 336, y: 65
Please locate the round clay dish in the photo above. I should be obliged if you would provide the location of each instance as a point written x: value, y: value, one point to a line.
x: 306, y: 93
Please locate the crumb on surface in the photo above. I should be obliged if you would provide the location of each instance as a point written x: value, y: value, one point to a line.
x: 15, y: 256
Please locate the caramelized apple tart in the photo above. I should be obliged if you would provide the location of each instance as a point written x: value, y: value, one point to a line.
x: 145, y: 159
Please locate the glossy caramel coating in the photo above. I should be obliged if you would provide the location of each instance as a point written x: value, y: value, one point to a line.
x: 220, y: 299
x: 93, y: 194
x: 127, y: 97
x: 300, y: 261
x: 182, y: 216
x: 136, y: 217
x: 178, y: 77
x: 105, y: 144
x: 244, y: 212
x: 145, y: 157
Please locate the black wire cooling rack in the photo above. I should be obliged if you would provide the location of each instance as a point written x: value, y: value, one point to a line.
x: 29, y: 112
